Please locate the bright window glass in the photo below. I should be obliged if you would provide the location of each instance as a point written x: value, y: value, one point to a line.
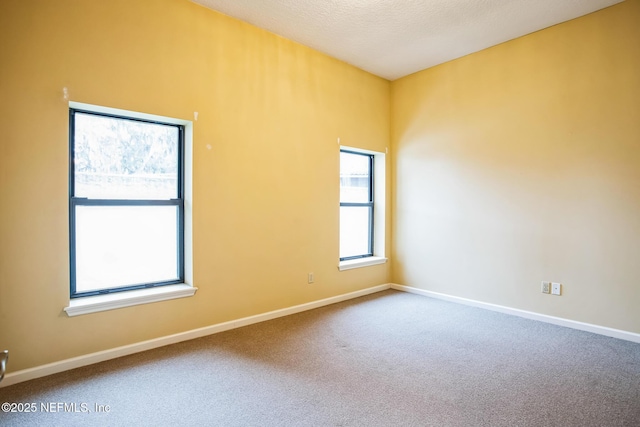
x: 118, y: 158
x: 354, y: 231
x: 125, y: 245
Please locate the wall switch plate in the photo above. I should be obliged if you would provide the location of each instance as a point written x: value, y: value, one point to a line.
x: 556, y: 288
x: 546, y: 287
x: 310, y: 279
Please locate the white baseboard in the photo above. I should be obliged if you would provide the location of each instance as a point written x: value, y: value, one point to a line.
x: 101, y: 356
x: 601, y: 330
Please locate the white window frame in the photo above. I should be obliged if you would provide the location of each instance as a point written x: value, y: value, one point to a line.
x: 92, y: 304
x: 379, y: 212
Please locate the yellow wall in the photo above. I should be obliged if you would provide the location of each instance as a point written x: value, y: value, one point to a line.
x: 265, y: 194
x: 521, y: 163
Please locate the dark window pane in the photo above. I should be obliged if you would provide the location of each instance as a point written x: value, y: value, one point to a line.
x: 124, y: 159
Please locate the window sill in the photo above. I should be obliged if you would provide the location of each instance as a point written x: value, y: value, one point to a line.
x: 98, y: 303
x: 361, y: 262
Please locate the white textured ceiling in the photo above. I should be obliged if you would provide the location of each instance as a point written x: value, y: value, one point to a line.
x: 394, y: 38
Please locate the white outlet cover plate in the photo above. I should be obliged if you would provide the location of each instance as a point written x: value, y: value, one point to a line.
x: 556, y: 288
x: 546, y: 287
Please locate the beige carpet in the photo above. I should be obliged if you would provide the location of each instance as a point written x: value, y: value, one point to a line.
x: 388, y: 359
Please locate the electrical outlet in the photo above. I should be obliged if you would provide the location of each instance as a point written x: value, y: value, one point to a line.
x: 556, y: 289
x: 546, y: 287
x: 310, y: 279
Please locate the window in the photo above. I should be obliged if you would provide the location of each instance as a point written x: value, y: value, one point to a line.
x: 362, y: 208
x: 356, y: 205
x: 126, y: 202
